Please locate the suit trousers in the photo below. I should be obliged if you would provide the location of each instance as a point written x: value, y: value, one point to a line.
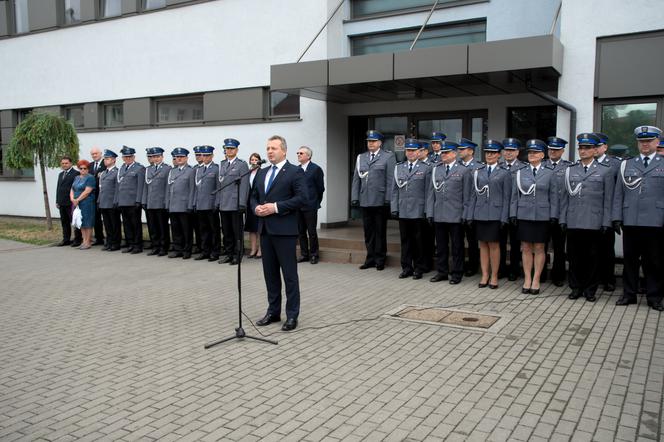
x: 412, y: 257
x: 510, y: 232
x: 158, y: 228
x: 374, y: 220
x: 230, y: 226
x: 131, y: 221
x: 642, y: 246
x: 65, y: 222
x: 473, y: 263
x: 307, y: 221
x: 607, y: 266
x: 208, y: 226
x: 449, y: 234
x: 196, y: 231
x: 583, y: 251
x: 99, y: 229
x: 558, y: 244
x: 182, y: 231
x: 280, y: 258
x: 113, y: 226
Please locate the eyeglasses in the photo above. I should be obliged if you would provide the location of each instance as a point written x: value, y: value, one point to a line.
x: 300, y: 153
x: 83, y: 168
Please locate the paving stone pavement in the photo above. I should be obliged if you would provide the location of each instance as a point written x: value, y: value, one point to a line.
x: 104, y: 346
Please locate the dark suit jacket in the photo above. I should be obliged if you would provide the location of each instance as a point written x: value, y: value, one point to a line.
x: 313, y: 179
x: 64, y: 186
x: 95, y: 173
x: 288, y: 190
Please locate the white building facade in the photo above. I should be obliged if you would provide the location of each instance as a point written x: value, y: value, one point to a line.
x: 174, y: 73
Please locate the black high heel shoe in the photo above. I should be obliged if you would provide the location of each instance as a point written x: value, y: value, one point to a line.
x: 525, y: 291
x: 482, y: 284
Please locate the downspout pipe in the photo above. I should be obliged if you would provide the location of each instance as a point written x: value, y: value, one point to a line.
x: 566, y: 106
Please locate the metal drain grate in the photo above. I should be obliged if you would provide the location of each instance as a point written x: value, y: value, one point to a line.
x: 437, y: 315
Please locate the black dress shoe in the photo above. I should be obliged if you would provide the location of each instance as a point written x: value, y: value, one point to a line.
x: 656, y: 306
x: 625, y: 300
x: 213, y: 258
x: 224, y: 259
x: 417, y: 275
x: 590, y: 297
x: 405, y: 274
x: 380, y: 267
x: 175, y: 255
x: 267, y: 319
x: 63, y: 243
x: 106, y: 247
x: 162, y: 253
x: 366, y: 266
x: 114, y: 248
x: 314, y: 260
x: 574, y: 295
x: 609, y: 287
x: 303, y: 259
x: 136, y: 251
x: 455, y: 281
x: 439, y: 277
x: 558, y: 283
x: 76, y: 244
x: 289, y: 325
x: 128, y: 250
x: 186, y: 255
x: 201, y: 257
x: 153, y: 252
x: 512, y: 277
x: 233, y: 261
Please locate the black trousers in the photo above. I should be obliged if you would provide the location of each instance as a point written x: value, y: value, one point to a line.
x: 583, y: 251
x: 193, y: 222
x: 607, y: 265
x: 514, y: 268
x: 279, y: 258
x: 208, y: 226
x: 473, y: 263
x: 99, y: 227
x: 182, y: 231
x: 307, y: 221
x: 429, y: 244
x: 65, y: 222
x: 230, y: 227
x: 558, y: 244
x: 157, y: 220
x: 642, y: 246
x: 113, y: 226
x: 374, y: 220
x: 412, y: 258
x: 131, y: 221
x: 449, y: 234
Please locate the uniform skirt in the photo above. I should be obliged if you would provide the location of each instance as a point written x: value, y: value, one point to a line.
x: 487, y: 231
x: 533, y: 231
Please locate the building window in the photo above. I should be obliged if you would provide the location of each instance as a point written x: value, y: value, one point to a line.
x: 282, y: 104
x: 364, y: 8
x: 21, y: 16
x: 153, y: 4
x: 440, y: 35
x: 110, y: 8
x: 619, y: 121
x: 113, y: 115
x: 180, y: 110
x: 72, y: 12
x: 74, y: 114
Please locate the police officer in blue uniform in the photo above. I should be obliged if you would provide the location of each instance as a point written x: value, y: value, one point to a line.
x: 534, y: 208
x: 154, y: 201
x: 205, y: 204
x: 371, y: 190
x: 448, y: 195
x: 179, y: 202
x: 556, y: 148
x: 428, y: 234
x: 436, y: 141
x: 511, y: 162
x: 110, y: 215
x: 128, y: 196
x: 638, y: 207
x: 585, y: 213
x: 466, y: 151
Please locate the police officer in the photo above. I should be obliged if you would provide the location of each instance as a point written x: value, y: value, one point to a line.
x: 179, y: 202
x: 660, y: 147
x: 371, y: 190
x: 154, y: 201
x: 448, y: 195
x: 428, y: 235
x: 231, y: 208
x: 205, y: 204
x: 128, y: 196
x: 585, y: 212
x: 197, y: 238
x: 488, y: 210
x: 466, y: 151
x: 607, y: 265
x: 408, y: 204
x: 511, y: 147
x: 638, y: 206
x: 436, y: 141
x: 110, y: 215
x: 556, y: 148
x: 534, y: 208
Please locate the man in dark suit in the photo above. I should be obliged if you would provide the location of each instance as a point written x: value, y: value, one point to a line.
x: 96, y: 168
x: 279, y: 192
x: 308, y: 215
x: 63, y: 203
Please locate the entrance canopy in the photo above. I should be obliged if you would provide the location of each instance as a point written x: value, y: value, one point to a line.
x: 490, y: 68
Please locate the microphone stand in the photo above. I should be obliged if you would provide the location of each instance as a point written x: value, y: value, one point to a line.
x: 239, y: 331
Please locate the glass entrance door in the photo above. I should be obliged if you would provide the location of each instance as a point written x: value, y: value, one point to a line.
x: 471, y: 125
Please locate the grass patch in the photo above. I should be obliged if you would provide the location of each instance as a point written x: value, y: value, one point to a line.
x: 29, y: 230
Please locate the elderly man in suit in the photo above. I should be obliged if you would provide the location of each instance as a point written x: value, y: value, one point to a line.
x: 279, y: 192
x: 96, y: 168
x: 106, y: 202
x: 63, y: 203
x: 308, y: 215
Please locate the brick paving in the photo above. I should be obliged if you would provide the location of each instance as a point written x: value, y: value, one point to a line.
x: 104, y: 346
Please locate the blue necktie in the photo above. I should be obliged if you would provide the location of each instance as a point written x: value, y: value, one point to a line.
x: 645, y: 162
x: 269, y: 181
x: 488, y: 170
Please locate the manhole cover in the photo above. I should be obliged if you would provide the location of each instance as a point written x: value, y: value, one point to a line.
x: 437, y: 315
